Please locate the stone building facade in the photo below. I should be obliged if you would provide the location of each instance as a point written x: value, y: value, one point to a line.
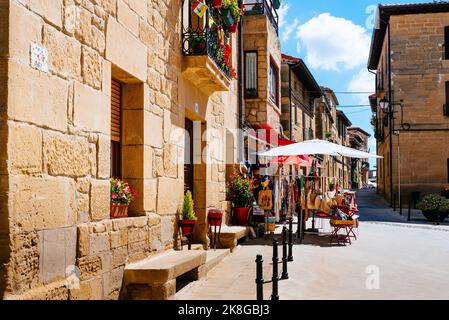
x: 358, y: 139
x: 262, y: 55
x: 409, y: 55
x: 62, y: 63
x: 300, y: 92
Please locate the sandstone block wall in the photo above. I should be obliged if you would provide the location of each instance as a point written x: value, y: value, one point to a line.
x: 260, y: 36
x: 419, y: 75
x: 55, y: 141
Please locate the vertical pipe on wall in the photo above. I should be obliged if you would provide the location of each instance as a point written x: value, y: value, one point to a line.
x: 390, y: 124
x: 241, y: 113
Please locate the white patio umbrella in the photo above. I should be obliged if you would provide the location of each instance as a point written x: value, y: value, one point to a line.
x: 312, y: 147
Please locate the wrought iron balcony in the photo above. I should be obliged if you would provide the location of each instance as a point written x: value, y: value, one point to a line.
x: 201, y: 36
x: 263, y: 7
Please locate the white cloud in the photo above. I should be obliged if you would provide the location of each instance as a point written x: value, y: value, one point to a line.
x: 282, y: 12
x: 363, y: 81
x: 333, y: 43
x: 288, y: 30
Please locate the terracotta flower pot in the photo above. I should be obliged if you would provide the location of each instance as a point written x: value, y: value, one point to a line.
x: 187, y: 226
x: 242, y: 215
x: 119, y: 210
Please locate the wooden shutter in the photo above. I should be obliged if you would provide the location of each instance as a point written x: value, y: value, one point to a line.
x: 116, y: 129
x: 116, y: 110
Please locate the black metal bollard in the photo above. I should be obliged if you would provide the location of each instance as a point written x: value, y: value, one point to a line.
x: 284, y: 254
x: 259, y: 277
x: 290, y: 240
x: 275, y: 278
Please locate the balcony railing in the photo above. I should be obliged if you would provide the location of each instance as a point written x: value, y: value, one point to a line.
x: 199, y: 38
x: 263, y: 7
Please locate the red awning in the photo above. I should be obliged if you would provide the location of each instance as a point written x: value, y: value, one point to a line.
x: 270, y: 135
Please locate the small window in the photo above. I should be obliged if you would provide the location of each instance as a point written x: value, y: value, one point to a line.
x: 446, y: 102
x: 447, y: 170
x: 446, y: 43
x: 274, y: 83
x: 251, y: 74
x: 116, y: 129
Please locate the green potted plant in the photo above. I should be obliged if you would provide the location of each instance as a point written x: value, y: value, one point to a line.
x: 188, y: 215
x: 239, y: 192
x: 122, y: 194
x: 434, y: 207
x: 198, y: 43
x: 276, y: 4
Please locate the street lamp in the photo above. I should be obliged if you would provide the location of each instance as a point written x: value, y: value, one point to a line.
x: 384, y: 104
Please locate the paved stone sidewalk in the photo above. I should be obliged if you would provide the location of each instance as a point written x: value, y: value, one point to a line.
x: 412, y: 260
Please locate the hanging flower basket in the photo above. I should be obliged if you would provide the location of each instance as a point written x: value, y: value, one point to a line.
x: 217, y: 4
x: 233, y: 28
x: 228, y: 18
x: 119, y: 210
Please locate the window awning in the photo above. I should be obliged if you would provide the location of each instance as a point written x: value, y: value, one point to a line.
x: 270, y: 135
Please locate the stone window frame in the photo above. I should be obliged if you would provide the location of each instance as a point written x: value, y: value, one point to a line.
x: 275, y: 67
x: 256, y: 95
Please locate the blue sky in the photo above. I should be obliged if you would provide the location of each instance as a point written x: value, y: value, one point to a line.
x: 333, y: 37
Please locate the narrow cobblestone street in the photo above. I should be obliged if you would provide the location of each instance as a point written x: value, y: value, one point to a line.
x: 411, y: 258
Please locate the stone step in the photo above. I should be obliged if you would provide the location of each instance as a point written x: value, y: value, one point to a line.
x: 230, y: 235
x: 214, y: 257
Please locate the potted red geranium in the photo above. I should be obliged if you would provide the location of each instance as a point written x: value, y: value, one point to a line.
x: 240, y: 192
x: 122, y: 194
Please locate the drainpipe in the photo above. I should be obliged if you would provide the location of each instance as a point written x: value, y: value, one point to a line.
x: 377, y: 142
x: 241, y: 112
x: 390, y: 98
x: 290, y: 99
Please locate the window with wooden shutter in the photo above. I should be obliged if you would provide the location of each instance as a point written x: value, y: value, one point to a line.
x: 116, y: 129
x: 446, y: 43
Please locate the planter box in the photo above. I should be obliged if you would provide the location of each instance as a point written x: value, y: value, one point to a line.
x: 119, y: 210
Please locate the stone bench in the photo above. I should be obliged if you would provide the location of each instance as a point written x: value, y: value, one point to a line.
x: 230, y: 235
x: 154, y: 278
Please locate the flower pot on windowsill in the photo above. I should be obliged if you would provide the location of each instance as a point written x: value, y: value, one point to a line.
x: 119, y: 210
x: 217, y: 4
x: 228, y: 18
x: 241, y: 216
x: 187, y: 227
